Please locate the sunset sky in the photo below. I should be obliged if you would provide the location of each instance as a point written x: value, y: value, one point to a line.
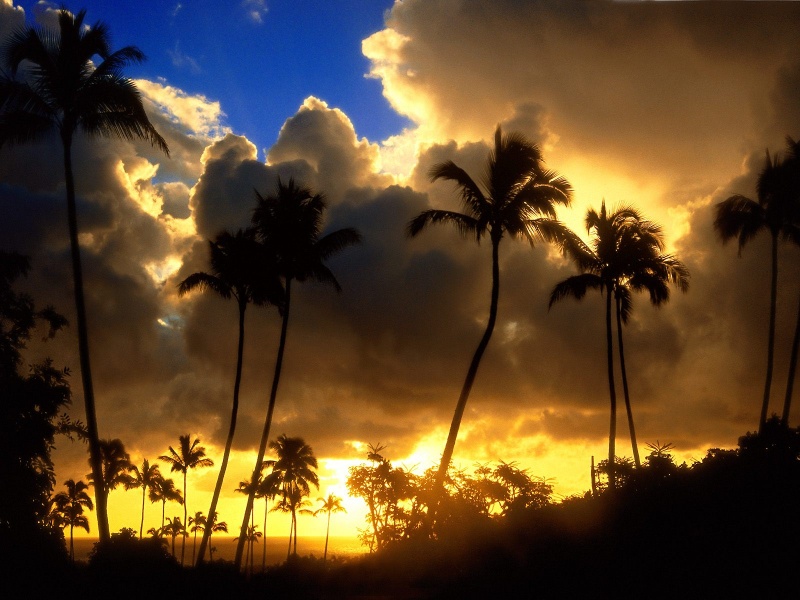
x: 668, y: 106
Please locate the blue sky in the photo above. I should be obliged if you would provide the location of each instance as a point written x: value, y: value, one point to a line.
x: 260, y: 60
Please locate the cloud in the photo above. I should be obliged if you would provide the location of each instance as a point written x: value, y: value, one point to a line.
x: 180, y: 59
x: 256, y: 10
x: 196, y: 113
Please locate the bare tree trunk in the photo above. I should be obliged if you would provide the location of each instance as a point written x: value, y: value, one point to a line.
x: 787, y: 403
x: 612, y: 433
x: 95, y: 456
x: 262, y: 448
x: 628, y: 409
x: 773, y: 301
x: 212, y: 511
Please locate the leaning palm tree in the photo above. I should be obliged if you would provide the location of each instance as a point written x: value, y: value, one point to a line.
x: 68, y: 509
x: 245, y: 487
x: 190, y: 456
x: 517, y: 197
x: 61, y: 89
x: 329, y: 505
x: 164, y: 490
x: 144, y: 478
x: 625, y: 255
x: 775, y: 211
x: 239, y: 271
x: 289, y: 224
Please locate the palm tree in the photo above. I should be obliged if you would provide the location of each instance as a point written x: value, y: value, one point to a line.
x: 217, y: 526
x: 329, y: 505
x: 289, y: 224
x: 174, y: 528
x: 115, y: 467
x: 68, y: 509
x: 625, y: 255
x: 198, y: 523
x: 245, y: 487
x: 190, y: 456
x: 236, y: 272
x: 64, y: 91
x: 775, y: 211
x: 293, y: 473
x: 164, y: 490
x: 517, y: 197
x: 268, y: 488
x: 144, y: 478
x: 251, y: 538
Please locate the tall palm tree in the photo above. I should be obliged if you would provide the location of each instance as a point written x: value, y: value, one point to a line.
x: 329, y: 505
x: 190, y: 456
x: 68, y: 509
x: 144, y: 477
x: 775, y: 211
x: 289, y: 224
x: 294, y: 473
x: 197, y: 523
x: 238, y: 271
x: 517, y: 197
x: 61, y: 89
x: 164, y: 490
x: 245, y: 487
x: 268, y: 488
x: 625, y: 255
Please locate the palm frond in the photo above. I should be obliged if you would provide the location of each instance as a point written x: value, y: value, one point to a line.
x: 575, y: 286
x: 203, y: 281
x: 739, y: 217
x: 471, y: 194
x: 336, y: 241
x: 465, y: 224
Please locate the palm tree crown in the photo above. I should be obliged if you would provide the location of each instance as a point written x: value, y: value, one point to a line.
x: 144, y: 478
x: 68, y: 509
x: 62, y: 90
x: 517, y: 197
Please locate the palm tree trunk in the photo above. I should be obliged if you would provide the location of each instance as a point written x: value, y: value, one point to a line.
x: 262, y: 447
x: 787, y: 403
x: 229, y: 441
x: 612, y: 434
x: 95, y: 457
x: 294, y: 524
x: 467, y: 388
x: 291, y: 530
x: 71, y: 543
x: 773, y: 300
x: 264, y: 550
x: 327, y: 534
x: 628, y: 409
x: 141, y: 524
x: 163, y: 512
x: 185, y: 515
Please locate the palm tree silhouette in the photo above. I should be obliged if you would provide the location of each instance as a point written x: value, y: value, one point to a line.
x: 68, y: 509
x: 164, y: 490
x: 289, y: 224
x: 517, y: 197
x: 63, y: 90
x: 268, y: 488
x: 190, y: 456
x: 197, y: 523
x: 293, y: 473
x: 174, y: 528
x: 115, y: 468
x: 244, y: 488
x: 625, y: 255
x: 238, y: 270
x: 216, y: 527
x: 775, y: 211
x: 329, y: 505
x: 144, y: 478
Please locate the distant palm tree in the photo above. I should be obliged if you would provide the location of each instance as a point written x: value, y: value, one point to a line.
x: 164, y: 490
x: 268, y: 488
x: 189, y: 456
x: 625, y: 255
x: 63, y: 90
x: 216, y: 527
x: 775, y: 211
x: 144, y: 478
x: 115, y: 468
x: 251, y: 538
x: 239, y: 271
x: 68, y: 509
x: 517, y: 197
x: 245, y: 488
x: 174, y: 528
x: 289, y: 224
x: 331, y: 504
x: 294, y: 473
x: 197, y: 523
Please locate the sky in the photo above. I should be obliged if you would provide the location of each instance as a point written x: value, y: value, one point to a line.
x: 667, y: 106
